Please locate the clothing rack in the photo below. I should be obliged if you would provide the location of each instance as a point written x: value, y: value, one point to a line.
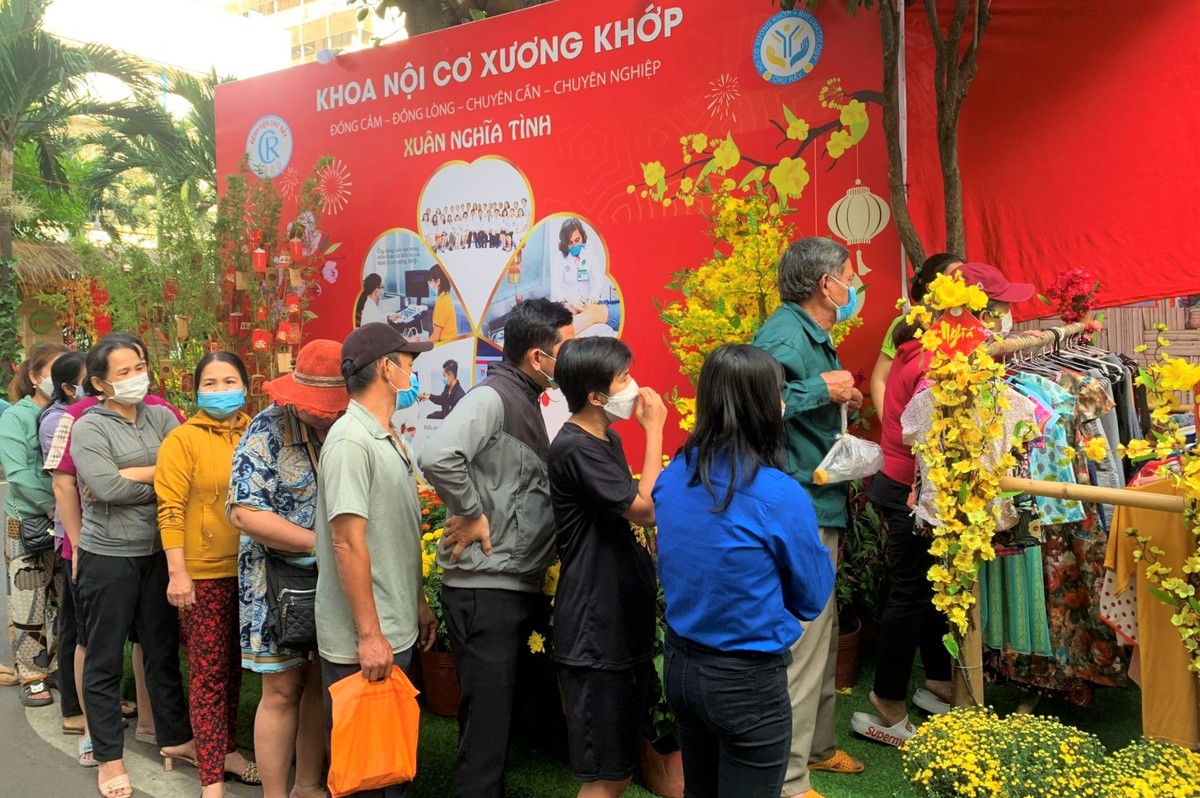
x: 968, y: 677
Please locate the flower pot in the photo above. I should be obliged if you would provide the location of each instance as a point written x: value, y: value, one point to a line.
x: 846, y: 673
x: 662, y: 773
x: 441, y: 683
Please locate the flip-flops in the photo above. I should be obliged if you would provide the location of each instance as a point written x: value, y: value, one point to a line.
x: 116, y: 787
x: 73, y: 725
x: 28, y: 691
x: 926, y: 700
x: 128, y: 709
x: 873, y: 728
x: 840, y: 762
x: 86, y: 758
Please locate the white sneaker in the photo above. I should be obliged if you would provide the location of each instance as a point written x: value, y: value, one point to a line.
x: 929, y: 702
x: 872, y: 727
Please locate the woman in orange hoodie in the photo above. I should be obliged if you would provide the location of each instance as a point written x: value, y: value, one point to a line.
x: 192, y: 483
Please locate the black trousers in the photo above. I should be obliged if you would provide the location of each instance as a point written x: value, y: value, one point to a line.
x: 117, y: 592
x: 68, y: 638
x: 734, y: 718
x: 488, y: 629
x: 333, y: 672
x: 909, y: 620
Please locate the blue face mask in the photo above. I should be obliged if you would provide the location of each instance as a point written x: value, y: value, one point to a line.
x: 846, y: 311
x: 445, y: 382
x: 221, y: 404
x: 575, y: 250
x: 407, y: 398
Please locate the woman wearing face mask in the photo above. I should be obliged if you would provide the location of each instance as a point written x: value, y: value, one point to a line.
x: 273, y: 501
x: 121, y: 567
x: 201, y: 546
x: 67, y: 375
x: 605, y: 602
x: 910, y: 621
x: 31, y: 575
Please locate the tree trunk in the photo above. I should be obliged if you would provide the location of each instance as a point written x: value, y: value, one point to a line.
x: 7, y: 156
x: 10, y: 328
x: 889, y: 15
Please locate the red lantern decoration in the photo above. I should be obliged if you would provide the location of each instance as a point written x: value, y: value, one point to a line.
x: 284, y: 332
x: 292, y: 303
x: 260, y: 339
x: 296, y: 248
x: 258, y: 259
x: 235, y: 324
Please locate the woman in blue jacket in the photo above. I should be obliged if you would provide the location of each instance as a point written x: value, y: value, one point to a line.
x: 741, y: 565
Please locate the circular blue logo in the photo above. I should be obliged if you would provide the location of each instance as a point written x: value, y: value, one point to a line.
x: 269, y: 146
x: 787, y: 46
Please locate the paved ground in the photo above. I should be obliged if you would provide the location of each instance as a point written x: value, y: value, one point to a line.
x: 37, y: 760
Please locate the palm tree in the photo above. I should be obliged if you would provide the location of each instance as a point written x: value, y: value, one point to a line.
x: 178, y: 155
x: 42, y: 87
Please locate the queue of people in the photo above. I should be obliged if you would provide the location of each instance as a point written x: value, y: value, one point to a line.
x: 124, y: 517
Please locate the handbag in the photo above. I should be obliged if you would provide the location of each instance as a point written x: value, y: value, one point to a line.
x: 291, y: 602
x: 37, y: 534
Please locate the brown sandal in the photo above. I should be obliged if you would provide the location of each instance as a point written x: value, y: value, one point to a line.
x: 117, y: 787
x: 840, y: 762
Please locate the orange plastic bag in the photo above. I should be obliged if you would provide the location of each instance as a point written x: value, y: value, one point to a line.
x: 375, y: 727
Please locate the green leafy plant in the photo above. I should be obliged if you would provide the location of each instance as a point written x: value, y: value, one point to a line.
x: 862, y: 561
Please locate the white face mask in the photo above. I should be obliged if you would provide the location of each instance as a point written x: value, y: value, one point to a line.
x: 1006, y: 322
x: 620, y: 404
x: 131, y: 391
x: 46, y: 386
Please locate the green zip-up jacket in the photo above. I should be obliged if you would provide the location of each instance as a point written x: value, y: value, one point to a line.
x: 29, y: 490
x: 811, y: 422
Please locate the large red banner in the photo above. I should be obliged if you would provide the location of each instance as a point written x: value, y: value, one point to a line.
x: 555, y: 152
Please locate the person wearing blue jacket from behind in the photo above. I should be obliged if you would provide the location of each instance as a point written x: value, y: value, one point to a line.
x: 741, y: 564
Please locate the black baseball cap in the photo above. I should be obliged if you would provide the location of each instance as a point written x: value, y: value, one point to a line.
x: 372, y: 341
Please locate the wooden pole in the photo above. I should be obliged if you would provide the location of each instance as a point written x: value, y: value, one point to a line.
x: 968, y: 673
x: 1093, y: 494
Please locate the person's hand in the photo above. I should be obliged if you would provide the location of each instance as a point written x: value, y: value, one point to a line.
x: 651, y: 411
x: 75, y: 567
x: 460, y: 532
x: 840, y: 385
x: 86, y: 494
x: 375, y: 657
x: 421, y: 397
x: 181, y: 591
x: 855, y: 403
x: 427, y: 624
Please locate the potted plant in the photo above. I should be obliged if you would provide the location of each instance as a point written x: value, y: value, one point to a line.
x: 861, y: 574
x: 437, y: 666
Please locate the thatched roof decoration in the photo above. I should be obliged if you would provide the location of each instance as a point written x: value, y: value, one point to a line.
x: 42, y: 264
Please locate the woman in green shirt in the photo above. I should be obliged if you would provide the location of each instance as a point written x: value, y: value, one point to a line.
x: 934, y: 265
x: 31, y: 576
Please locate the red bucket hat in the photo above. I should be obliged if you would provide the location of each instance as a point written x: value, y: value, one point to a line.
x: 316, y: 385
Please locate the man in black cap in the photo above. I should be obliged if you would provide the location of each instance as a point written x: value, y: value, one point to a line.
x: 371, y: 609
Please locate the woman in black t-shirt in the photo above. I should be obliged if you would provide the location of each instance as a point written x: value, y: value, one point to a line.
x: 604, y: 605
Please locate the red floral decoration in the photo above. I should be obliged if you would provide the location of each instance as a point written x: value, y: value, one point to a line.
x: 1072, y: 294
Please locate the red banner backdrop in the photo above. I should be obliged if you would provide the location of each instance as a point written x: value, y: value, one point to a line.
x: 1077, y: 145
x: 537, y: 154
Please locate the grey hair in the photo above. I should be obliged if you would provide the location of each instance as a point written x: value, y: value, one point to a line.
x: 805, y: 262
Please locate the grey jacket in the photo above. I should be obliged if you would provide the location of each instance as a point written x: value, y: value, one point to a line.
x: 489, y: 458
x: 123, y: 520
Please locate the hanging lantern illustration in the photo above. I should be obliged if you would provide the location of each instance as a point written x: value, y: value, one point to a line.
x: 296, y: 248
x: 856, y: 219
x: 258, y: 259
x: 283, y: 332
x: 260, y: 339
x: 292, y: 303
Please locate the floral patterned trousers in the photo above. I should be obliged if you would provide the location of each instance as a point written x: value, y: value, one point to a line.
x: 214, y: 674
x: 34, y: 581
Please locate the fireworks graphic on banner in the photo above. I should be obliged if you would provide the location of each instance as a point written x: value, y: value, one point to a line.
x: 289, y: 183
x: 722, y: 92
x: 333, y: 185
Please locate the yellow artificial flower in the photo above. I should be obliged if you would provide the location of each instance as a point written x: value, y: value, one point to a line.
x: 550, y: 583
x: 1177, y: 374
x: 537, y: 643
x: 1096, y: 449
x: 839, y: 142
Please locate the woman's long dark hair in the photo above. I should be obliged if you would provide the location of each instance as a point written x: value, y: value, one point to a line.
x: 931, y: 268
x: 370, y: 283
x: 739, y: 420
x: 67, y: 371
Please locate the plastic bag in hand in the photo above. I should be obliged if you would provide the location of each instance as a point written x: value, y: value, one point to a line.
x: 374, y: 740
x: 850, y: 458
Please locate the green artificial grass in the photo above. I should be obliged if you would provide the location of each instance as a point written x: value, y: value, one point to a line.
x: 537, y: 771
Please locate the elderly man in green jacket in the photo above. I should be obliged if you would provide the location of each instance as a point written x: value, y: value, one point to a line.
x: 815, y: 290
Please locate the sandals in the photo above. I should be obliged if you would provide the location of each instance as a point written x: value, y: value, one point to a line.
x: 874, y: 728
x: 928, y: 701
x: 248, y: 776
x: 72, y: 726
x: 147, y: 737
x: 8, y: 677
x: 128, y: 709
x: 840, y: 762
x: 85, y: 757
x: 117, y: 787
x: 28, y: 691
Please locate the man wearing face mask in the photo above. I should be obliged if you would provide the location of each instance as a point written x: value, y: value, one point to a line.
x: 371, y: 608
x: 604, y: 605
x: 815, y: 291
x: 487, y: 462
x: 452, y: 391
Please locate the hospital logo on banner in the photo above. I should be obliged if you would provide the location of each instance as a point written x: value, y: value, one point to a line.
x: 788, y: 46
x: 269, y: 146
